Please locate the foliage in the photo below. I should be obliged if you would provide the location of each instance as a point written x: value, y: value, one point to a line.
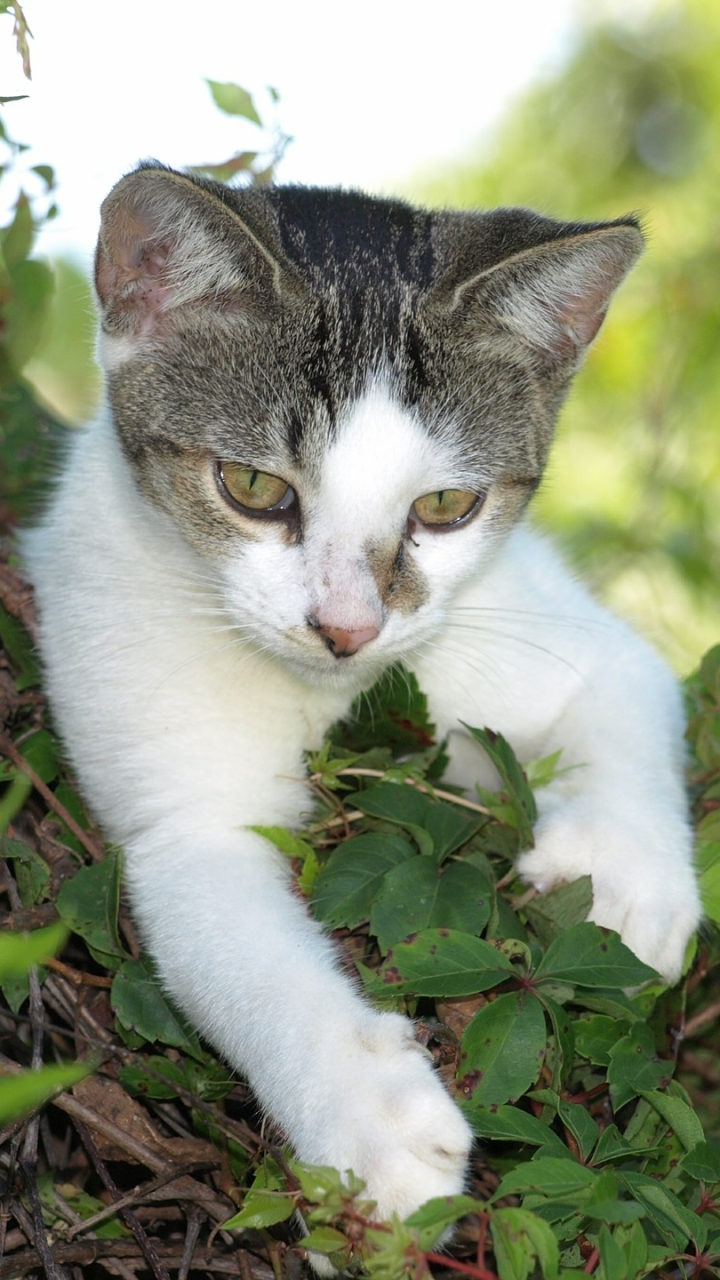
x: 631, y: 121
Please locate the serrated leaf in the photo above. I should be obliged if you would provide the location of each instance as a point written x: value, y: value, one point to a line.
x: 588, y: 956
x: 443, y: 962
x: 502, y: 1050
x: 551, y: 913
x: 420, y: 895
x: 350, y: 882
x: 233, y: 100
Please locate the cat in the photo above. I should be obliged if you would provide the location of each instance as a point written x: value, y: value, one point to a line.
x: 326, y: 414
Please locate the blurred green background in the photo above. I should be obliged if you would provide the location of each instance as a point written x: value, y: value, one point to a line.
x: 630, y: 122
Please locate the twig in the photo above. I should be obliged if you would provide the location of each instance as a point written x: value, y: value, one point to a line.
x: 693, y: 1025
x: 10, y: 752
x: 83, y: 1253
x: 137, y: 1195
x: 194, y: 1222
x: 411, y: 782
x: 76, y: 976
x: 130, y: 1219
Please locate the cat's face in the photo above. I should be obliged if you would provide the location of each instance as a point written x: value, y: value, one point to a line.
x: 343, y: 403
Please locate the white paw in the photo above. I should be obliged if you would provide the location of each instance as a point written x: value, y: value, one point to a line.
x: 389, y: 1119
x: 644, y: 885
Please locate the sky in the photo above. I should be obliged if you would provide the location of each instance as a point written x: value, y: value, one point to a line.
x: 372, y: 93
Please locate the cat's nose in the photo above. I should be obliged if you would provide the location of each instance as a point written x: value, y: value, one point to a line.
x: 344, y: 643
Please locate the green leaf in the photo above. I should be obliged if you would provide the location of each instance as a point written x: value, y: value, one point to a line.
x: 29, y: 1090
x: 436, y: 1215
x: 392, y: 714
x: 443, y: 962
x: 261, y: 1209
x: 595, y: 1037
x: 550, y: 1176
x: 89, y: 906
x: 634, y: 1066
x: 139, y: 1003
x: 587, y: 956
x: 553, y: 912
x: 292, y: 845
x: 703, y: 1162
x: 519, y: 1238
x: 671, y: 1219
x: 327, y: 1240
x: 42, y: 753
x: 581, y: 1125
x: 502, y: 1050
x: 681, y: 1118
x: 513, y: 780
x: 157, y: 1077
x: 510, y: 1124
x: 611, y: 1256
x: 349, y: 883
x: 19, y: 952
x: 419, y: 895
x: 449, y: 829
x: 233, y: 100
x: 18, y: 644
x: 31, y: 871
x: 399, y: 803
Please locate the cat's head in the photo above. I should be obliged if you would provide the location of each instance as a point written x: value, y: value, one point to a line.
x: 344, y: 402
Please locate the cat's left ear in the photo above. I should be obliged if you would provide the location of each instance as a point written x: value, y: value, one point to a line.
x: 554, y: 296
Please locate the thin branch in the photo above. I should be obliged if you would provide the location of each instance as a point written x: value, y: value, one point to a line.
x: 10, y: 752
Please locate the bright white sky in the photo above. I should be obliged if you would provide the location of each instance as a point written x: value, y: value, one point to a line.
x: 372, y: 92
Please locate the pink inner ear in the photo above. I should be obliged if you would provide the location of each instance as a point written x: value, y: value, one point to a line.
x: 129, y: 272
x: 578, y: 319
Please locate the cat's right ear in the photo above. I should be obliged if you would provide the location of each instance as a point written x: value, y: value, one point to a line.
x: 169, y: 241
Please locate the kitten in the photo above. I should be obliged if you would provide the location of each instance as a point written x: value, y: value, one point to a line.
x: 326, y: 415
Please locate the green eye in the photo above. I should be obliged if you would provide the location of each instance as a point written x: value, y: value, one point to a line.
x: 447, y: 506
x: 255, y: 491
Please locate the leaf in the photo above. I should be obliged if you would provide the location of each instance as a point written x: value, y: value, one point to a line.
x: 672, y: 1220
x: 703, y: 1162
x: 261, y: 1209
x: 502, y: 1050
x: 519, y: 1238
x: 611, y: 1256
x: 513, y: 780
x: 28, y: 1090
x: 139, y: 1003
x: 42, y: 753
x: 31, y: 871
x: 551, y: 913
x: 233, y: 100
x: 634, y: 1066
x: 681, y: 1118
x: 89, y: 906
x: 588, y: 956
x: 548, y: 1175
x: 595, y: 1037
x: 399, y: 803
x: 349, y: 883
x: 19, y: 952
x: 17, y: 642
x: 418, y: 895
x: 292, y: 845
x: 449, y: 829
x: 393, y: 714
x: 510, y: 1124
x: 436, y: 1215
x: 327, y: 1240
x: 581, y: 1125
x: 443, y: 962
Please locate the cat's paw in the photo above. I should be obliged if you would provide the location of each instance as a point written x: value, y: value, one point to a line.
x: 644, y: 885
x: 389, y: 1119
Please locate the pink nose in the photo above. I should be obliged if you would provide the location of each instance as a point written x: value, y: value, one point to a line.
x: 344, y: 643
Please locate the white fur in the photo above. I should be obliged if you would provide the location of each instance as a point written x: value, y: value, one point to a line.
x: 187, y: 693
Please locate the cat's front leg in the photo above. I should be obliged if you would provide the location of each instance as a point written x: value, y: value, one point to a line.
x: 349, y: 1086
x: 620, y: 815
